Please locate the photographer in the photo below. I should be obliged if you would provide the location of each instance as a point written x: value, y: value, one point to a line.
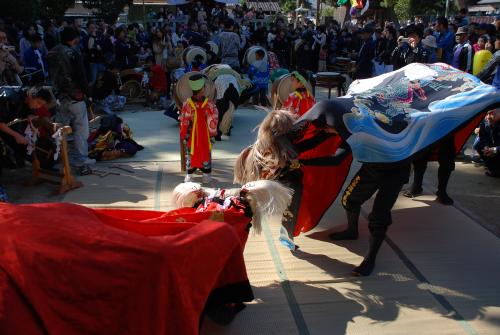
x: 9, y: 67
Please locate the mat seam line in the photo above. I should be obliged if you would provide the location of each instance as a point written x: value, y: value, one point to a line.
x: 285, y: 283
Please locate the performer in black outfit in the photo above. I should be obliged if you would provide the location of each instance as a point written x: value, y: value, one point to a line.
x: 387, y: 179
x: 446, y: 160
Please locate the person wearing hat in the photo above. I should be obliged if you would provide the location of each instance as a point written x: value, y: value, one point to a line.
x: 429, y: 43
x: 364, y: 62
x: 463, y: 52
x: 300, y: 100
x: 198, y: 124
x: 412, y: 51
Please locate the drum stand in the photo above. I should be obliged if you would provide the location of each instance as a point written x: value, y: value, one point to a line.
x: 66, y: 180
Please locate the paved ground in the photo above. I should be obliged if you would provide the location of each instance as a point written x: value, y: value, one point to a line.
x: 437, y: 274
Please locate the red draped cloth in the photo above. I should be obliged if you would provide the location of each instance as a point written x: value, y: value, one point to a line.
x: 68, y: 269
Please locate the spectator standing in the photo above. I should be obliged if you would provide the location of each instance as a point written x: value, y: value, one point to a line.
x: 282, y: 49
x: 124, y: 50
x: 50, y: 38
x: 69, y: 80
x: 389, y: 33
x: 481, y: 43
x: 9, y: 67
x: 95, y: 47
x: 492, y: 66
x: 414, y: 52
x: 160, y: 48
x: 463, y: 52
x: 229, y: 45
x: 35, y: 61
x: 25, y: 42
x: 364, y: 63
x: 192, y: 35
x: 429, y: 43
x: 445, y: 40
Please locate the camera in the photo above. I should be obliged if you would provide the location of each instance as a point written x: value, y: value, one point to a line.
x: 7, y: 48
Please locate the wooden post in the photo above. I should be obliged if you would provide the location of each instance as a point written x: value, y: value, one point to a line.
x: 183, y: 156
x: 68, y: 181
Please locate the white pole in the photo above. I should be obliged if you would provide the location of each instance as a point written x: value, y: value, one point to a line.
x: 447, y: 7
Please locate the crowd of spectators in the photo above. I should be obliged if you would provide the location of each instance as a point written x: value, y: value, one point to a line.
x: 376, y: 47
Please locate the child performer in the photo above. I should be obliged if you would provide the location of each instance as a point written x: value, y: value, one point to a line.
x: 198, y: 124
x: 259, y: 74
x: 300, y: 100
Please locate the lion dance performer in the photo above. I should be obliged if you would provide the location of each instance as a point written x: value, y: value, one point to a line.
x: 198, y: 124
x: 385, y: 123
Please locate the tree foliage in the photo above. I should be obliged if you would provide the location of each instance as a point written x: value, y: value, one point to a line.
x: 108, y: 10
x: 28, y: 10
x: 55, y: 8
x: 403, y: 9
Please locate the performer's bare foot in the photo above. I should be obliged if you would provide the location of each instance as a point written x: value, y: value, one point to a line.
x: 365, y: 268
x: 345, y: 235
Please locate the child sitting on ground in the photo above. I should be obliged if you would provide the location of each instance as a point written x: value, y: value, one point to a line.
x: 300, y: 100
x: 198, y: 125
x: 106, y: 90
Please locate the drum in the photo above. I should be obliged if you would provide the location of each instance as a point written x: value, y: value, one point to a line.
x: 250, y: 58
x: 282, y: 88
x: 213, y: 47
x: 190, y: 53
x: 182, y: 90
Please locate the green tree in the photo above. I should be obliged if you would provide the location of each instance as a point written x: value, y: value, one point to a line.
x: 403, y: 9
x: 108, y: 10
x: 288, y: 5
x: 28, y: 10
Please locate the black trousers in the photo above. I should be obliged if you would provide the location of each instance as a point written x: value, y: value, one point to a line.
x: 388, y: 181
x: 446, y: 160
x: 492, y: 163
x: 261, y: 96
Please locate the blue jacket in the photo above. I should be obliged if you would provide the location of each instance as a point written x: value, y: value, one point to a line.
x: 259, y: 78
x: 446, y: 42
x: 489, y: 136
x: 32, y: 60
